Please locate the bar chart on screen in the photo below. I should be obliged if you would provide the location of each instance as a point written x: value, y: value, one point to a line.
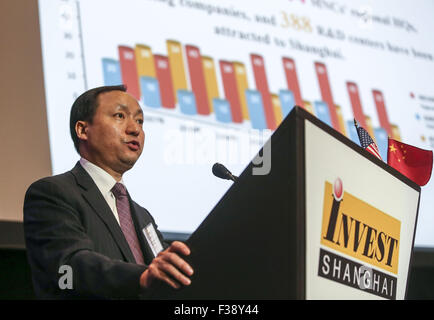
x: 213, y: 76
x: 182, y: 79
x: 191, y: 87
x: 175, y: 78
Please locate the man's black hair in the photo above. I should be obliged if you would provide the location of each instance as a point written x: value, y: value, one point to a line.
x: 84, y: 108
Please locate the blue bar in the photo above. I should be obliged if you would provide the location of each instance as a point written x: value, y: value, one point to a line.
x: 353, y: 131
x: 256, y: 109
x: 150, y: 92
x: 222, y: 110
x: 111, y: 72
x: 322, y: 112
x: 382, y: 142
x: 187, y: 102
x: 287, y: 101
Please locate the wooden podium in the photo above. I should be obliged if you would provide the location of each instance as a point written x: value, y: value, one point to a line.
x: 328, y: 221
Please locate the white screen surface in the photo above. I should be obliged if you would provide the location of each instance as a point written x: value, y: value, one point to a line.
x: 351, y: 47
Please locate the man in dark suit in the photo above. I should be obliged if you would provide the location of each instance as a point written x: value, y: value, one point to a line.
x: 84, y: 219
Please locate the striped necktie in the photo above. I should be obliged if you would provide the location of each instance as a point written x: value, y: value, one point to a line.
x: 126, y: 221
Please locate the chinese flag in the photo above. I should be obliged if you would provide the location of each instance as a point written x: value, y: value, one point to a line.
x: 412, y: 162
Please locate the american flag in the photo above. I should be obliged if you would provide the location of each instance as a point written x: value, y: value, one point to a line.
x: 366, y: 141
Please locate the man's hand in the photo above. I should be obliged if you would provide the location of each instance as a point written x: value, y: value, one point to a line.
x: 169, y: 267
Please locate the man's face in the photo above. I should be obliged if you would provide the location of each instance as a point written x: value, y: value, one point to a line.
x: 115, y: 137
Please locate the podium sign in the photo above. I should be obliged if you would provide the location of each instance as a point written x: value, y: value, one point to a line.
x: 325, y: 220
x: 360, y: 223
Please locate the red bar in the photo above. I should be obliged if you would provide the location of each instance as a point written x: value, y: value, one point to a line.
x: 231, y: 89
x: 326, y: 93
x: 130, y: 78
x: 382, y: 112
x: 292, y: 80
x: 353, y: 92
x: 162, y: 70
x: 262, y: 87
x: 197, y: 79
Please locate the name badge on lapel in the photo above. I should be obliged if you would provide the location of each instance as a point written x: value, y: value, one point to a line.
x: 152, y: 238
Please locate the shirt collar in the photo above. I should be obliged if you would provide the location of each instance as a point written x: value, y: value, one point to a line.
x: 103, y: 180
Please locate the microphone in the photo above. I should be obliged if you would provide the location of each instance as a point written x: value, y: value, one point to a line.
x: 222, y: 172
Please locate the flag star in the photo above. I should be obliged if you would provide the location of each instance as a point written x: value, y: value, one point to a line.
x: 392, y: 148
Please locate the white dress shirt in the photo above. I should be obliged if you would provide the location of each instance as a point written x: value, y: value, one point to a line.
x: 104, y: 181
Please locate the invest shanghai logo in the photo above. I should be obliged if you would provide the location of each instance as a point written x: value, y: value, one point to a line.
x: 366, y: 239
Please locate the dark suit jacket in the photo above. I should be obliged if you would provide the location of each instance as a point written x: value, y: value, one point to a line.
x: 67, y: 221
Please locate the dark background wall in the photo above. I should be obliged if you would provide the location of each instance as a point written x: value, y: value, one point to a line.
x: 16, y: 283
x: 24, y: 143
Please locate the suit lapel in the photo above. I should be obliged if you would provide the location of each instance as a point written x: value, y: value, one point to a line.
x: 96, y: 200
x: 141, y: 220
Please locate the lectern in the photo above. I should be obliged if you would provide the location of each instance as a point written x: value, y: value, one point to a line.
x: 328, y: 220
